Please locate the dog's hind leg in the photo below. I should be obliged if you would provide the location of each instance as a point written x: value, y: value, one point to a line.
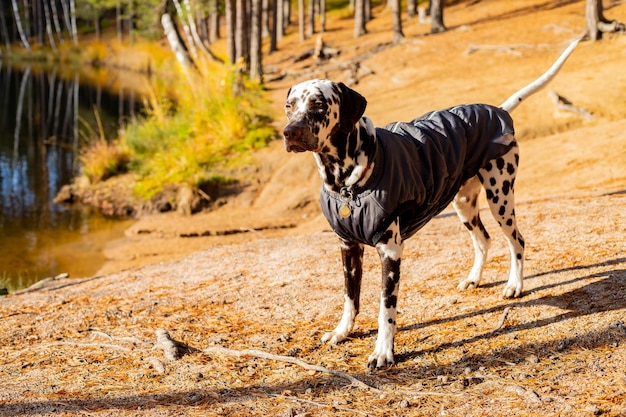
x: 352, y: 256
x: 466, y: 205
x: 498, y: 178
x: 389, y: 249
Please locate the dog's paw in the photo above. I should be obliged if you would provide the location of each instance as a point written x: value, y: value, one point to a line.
x: 333, y: 337
x: 465, y: 284
x: 378, y: 360
x: 512, y: 291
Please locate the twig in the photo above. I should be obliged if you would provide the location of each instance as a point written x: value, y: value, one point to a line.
x: 505, y: 313
x: 564, y: 104
x: 524, y: 393
x: 290, y: 359
x: 320, y: 405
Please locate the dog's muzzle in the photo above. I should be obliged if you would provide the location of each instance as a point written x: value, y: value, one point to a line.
x: 293, y: 135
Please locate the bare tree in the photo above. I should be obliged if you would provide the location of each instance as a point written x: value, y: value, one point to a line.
x: 301, y: 19
x: 214, y: 21
x: 359, y: 18
x: 174, y: 40
x: 396, y: 13
x: 230, y: 30
x: 18, y: 25
x: 436, y: 16
x: 256, y: 64
x: 597, y: 24
x: 242, y: 46
x: 274, y: 25
x: 49, y: 26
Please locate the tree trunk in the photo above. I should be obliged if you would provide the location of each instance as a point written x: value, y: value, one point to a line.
x: 396, y: 13
x: 592, y: 17
x: 191, y: 46
x: 597, y: 24
x: 322, y: 13
x: 256, y: 64
x: 49, y: 26
x: 73, y: 22
x: 194, y: 33
x: 230, y: 30
x: 55, y: 20
x: 311, y: 18
x: 301, y: 19
x: 18, y: 25
x: 359, y: 18
x: 214, y: 21
x: 436, y: 16
x: 280, y: 19
x: 242, y: 50
x: 173, y: 39
x: 274, y: 25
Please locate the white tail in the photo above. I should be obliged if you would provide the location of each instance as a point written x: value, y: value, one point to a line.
x: 513, y: 101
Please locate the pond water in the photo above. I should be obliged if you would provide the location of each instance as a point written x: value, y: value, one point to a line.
x: 45, y: 118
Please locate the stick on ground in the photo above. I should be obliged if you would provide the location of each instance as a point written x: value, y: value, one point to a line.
x: 280, y: 358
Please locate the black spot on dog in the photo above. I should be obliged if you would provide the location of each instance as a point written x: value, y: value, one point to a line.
x: 492, y: 181
x: 488, y: 167
x: 509, y: 222
x: 506, y: 187
x: 519, y: 256
x: 391, y: 301
x: 495, y: 199
x: 502, y: 210
x: 489, y: 194
x: 500, y: 163
x: 468, y: 226
x: 510, y: 168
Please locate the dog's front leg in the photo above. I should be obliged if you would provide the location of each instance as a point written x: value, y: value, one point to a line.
x: 352, y: 256
x: 390, y: 250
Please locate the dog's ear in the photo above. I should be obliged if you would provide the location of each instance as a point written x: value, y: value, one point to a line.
x: 352, y: 107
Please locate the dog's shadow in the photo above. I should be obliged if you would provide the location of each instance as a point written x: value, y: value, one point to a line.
x: 606, y: 294
x: 598, y: 296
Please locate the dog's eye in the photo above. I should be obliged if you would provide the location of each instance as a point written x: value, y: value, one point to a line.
x: 317, y: 104
x: 288, y: 106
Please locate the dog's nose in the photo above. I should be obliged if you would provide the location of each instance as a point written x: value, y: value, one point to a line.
x: 292, y: 132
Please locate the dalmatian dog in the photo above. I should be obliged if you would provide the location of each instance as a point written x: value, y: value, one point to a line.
x: 381, y: 185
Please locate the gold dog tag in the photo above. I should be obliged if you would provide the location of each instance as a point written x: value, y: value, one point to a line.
x: 344, y: 211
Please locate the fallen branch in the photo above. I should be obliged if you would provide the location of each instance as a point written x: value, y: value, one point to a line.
x: 289, y: 359
x: 564, y: 104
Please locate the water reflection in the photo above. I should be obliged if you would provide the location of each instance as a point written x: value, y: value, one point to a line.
x: 45, y: 117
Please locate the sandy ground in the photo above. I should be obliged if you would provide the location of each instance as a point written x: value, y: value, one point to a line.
x: 264, y: 272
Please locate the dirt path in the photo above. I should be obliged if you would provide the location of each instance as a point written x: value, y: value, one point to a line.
x: 87, y: 347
